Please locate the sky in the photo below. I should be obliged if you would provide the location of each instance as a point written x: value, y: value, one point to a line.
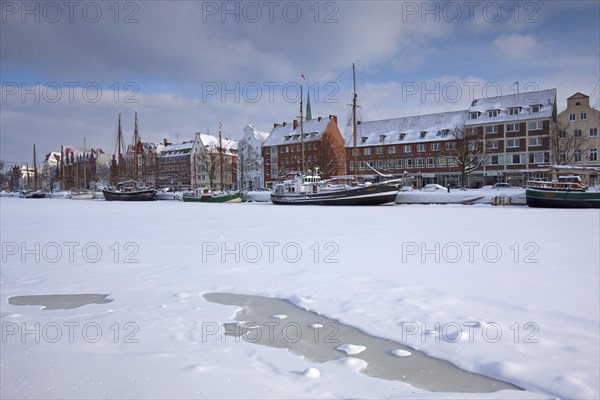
x: 68, y: 68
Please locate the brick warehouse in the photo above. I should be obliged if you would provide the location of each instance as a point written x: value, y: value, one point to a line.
x: 323, y: 148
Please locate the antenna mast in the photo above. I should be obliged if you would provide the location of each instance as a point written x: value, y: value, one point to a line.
x: 354, y: 123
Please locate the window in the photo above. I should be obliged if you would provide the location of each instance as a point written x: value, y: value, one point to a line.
x: 378, y: 150
x: 517, y: 158
x: 420, y: 148
x: 422, y: 134
x: 537, y: 158
x: 442, y: 161
x: 571, y: 117
x: 473, y: 115
x: 407, y: 148
x: 593, y: 132
x: 577, y: 155
x: 399, y: 163
x: 451, y: 146
x: 577, y: 133
x: 512, y: 143
x: 382, y: 138
x: 562, y: 156
x: 431, y: 162
x: 351, y: 165
x: 390, y: 164
x: 392, y: 150
x: 409, y: 163
x: 512, y: 127
x: 452, y: 162
x: 535, y: 141
x: 492, y: 113
x: 472, y: 145
x: 583, y: 116
x: 367, y: 151
x: 402, y: 136
x: 364, y: 139
x: 534, y: 125
x: 593, y: 155
x: 562, y: 134
x: 497, y: 159
x: 420, y: 162
x: 514, y: 110
x: 379, y: 163
x: 435, y: 147
x: 361, y: 165
x: 491, y: 129
x: 492, y: 144
x: 536, y: 108
x: 287, y: 149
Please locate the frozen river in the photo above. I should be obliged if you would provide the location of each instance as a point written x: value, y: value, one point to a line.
x: 510, y: 293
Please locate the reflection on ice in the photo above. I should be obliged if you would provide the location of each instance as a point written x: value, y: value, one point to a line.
x: 59, y: 301
x: 321, y: 339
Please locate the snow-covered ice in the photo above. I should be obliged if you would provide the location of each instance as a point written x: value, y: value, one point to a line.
x: 508, y: 292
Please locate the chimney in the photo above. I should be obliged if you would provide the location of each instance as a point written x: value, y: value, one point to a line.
x: 275, y: 125
x: 334, y: 118
x: 284, y: 124
x: 319, y: 118
x: 295, y: 124
x: 358, y: 122
x: 165, y: 141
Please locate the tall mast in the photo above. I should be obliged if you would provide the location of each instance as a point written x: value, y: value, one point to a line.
x: 34, y: 169
x: 62, y: 166
x: 221, y: 157
x: 302, y: 132
x: 135, y: 148
x: 354, y: 123
x: 84, y: 165
x: 119, y: 155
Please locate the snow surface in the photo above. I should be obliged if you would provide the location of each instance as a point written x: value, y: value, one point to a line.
x: 392, y: 271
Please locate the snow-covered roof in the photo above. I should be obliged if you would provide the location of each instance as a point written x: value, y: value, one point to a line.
x: 521, y: 103
x: 418, y: 128
x: 313, y: 130
x: 254, y: 136
x: 212, y: 143
x: 176, y: 150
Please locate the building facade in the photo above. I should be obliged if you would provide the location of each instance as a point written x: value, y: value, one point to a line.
x: 578, y: 143
x: 509, y: 133
x: 323, y: 149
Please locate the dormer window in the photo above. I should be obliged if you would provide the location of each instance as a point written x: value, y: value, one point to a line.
x: 514, y: 110
x: 445, y: 132
x: 474, y: 115
x: 364, y: 139
x: 492, y: 113
x: 382, y: 138
x: 577, y: 104
x: 422, y: 134
x: 402, y: 136
x: 439, y: 133
x: 536, y: 108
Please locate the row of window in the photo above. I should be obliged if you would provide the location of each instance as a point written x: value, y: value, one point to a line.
x: 582, y: 117
x: 406, y: 163
x: 577, y: 156
x: 288, y: 160
x: 578, y: 133
x: 536, y: 108
x: 288, y: 149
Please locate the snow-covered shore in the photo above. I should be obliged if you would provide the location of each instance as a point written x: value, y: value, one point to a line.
x: 519, y: 285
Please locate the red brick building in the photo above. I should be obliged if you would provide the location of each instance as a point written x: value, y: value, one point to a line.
x: 323, y: 149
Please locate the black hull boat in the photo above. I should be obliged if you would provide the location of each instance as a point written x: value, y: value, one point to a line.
x: 312, y: 191
x: 129, y: 195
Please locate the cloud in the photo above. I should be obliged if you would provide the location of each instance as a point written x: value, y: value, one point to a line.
x: 516, y: 46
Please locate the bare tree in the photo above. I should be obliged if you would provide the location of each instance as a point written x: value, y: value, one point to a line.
x: 210, y: 163
x: 566, y: 146
x: 329, y: 160
x: 248, y: 162
x: 469, y: 151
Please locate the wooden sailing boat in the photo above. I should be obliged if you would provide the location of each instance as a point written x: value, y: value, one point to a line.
x: 312, y: 190
x: 84, y: 194
x: 35, y: 194
x: 212, y: 196
x: 127, y: 190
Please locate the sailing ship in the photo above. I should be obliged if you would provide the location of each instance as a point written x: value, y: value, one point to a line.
x: 128, y: 190
x: 566, y: 192
x: 206, y: 195
x: 35, y: 193
x: 310, y: 189
x: 84, y: 194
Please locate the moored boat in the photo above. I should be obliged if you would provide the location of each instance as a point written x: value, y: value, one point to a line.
x: 128, y: 191
x: 210, y: 196
x: 566, y: 192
